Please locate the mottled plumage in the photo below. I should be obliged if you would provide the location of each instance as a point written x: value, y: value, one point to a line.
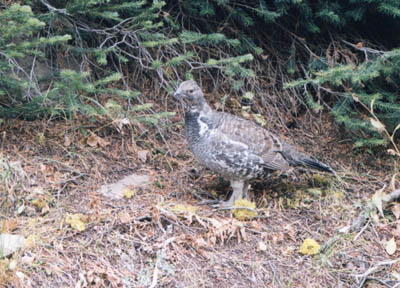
x: 234, y: 147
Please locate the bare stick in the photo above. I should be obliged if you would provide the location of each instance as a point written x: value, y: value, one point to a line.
x: 361, y: 278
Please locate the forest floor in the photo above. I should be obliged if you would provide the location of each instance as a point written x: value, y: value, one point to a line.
x: 157, y: 235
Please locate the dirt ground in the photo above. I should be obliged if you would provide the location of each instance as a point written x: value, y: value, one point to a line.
x: 158, y: 236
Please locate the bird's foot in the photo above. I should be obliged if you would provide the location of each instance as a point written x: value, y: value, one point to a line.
x: 209, y: 202
x: 227, y: 204
x: 216, y: 204
x: 202, y: 196
x: 206, y: 194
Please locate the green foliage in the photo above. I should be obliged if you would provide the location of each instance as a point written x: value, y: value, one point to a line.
x: 312, y: 16
x: 107, y: 38
x: 207, y: 39
x: 16, y: 44
x: 92, y: 47
x: 369, y: 104
x: 64, y: 92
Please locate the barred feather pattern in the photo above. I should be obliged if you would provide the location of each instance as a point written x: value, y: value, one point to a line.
x: 236, y: 148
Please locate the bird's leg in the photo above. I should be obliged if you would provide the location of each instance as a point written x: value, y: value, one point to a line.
x: 246, y: 186
x: 238, y: 192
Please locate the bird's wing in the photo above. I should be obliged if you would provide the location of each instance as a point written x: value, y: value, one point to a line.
x: 232, y: 156
x: 238, y: 134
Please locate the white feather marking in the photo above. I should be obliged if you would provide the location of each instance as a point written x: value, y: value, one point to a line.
x: 203, y: 126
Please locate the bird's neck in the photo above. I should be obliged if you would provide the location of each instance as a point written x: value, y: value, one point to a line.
x: 197, y: 123
x: 201, y: 108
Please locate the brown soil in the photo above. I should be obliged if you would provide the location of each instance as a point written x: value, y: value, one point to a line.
x: 149, y: 241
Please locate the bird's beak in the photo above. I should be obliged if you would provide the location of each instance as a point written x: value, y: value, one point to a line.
x: 178, y: 94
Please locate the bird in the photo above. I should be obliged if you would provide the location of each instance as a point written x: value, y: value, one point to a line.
x: 236, y: 148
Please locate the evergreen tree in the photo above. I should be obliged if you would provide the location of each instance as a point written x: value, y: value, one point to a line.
x: 151, y: 45
x: 368, y: 102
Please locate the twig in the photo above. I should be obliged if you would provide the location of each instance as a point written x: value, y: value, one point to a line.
x: 54, y: 10
x: 160, y: 254
x: 371, y: 270
x: 377, y: 280
x: 155, y: 273
x: 392, y: 196
x: 273, y: 269
x: 144, y: 218
x: 328, y: 244
x: 362, y: 230
x: 364, y: 214
x: 365, y: 49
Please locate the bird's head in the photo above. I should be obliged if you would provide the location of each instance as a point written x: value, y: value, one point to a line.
x: 190, y: 95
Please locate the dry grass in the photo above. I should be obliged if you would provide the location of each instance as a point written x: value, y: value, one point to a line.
x: 145, y: 241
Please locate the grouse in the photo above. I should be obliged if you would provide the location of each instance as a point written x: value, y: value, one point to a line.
x: 236, y: 148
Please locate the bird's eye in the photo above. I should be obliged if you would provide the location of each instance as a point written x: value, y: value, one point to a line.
x: 191, y: 91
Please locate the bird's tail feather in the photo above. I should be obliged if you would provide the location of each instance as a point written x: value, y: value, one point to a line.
x: 296, y: 158
x: 312, y: 163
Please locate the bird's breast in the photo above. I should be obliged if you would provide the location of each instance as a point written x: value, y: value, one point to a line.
x: 198, y: 127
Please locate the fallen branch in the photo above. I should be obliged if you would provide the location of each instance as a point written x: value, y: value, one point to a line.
x: 361, y: 278
x: 392, y: 196
x: 365, y: 214
x: 379, y: 281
